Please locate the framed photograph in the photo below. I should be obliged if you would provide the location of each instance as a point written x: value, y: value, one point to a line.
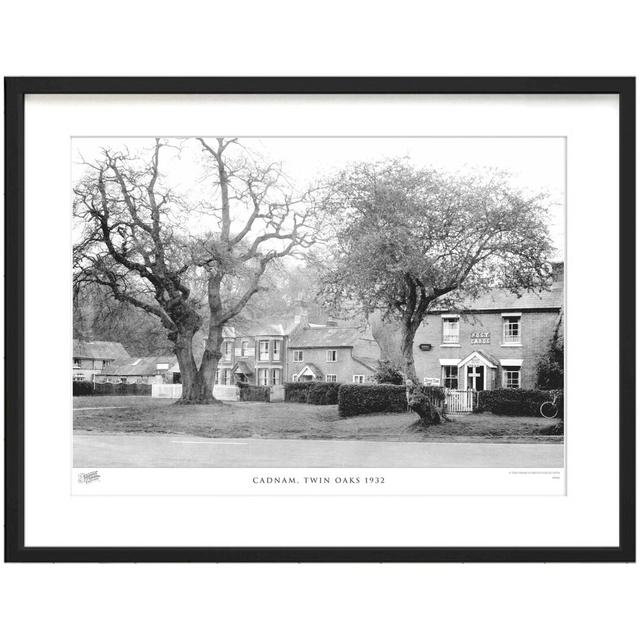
x: 320, y: 319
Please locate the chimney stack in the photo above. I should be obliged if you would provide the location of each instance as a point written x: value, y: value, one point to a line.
x: 301, y: 318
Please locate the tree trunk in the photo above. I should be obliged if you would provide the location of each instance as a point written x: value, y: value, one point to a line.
x: 209, y: 364
x: 408, y: 364
x: 197, y: 384
x: 420, y: 403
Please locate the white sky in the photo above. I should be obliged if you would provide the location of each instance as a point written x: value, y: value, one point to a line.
x: 536, y: 164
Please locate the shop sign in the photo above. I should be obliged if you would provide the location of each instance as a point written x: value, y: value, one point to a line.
x: 481, y: 337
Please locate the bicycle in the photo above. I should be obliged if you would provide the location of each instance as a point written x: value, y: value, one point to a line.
x: 550, y: 408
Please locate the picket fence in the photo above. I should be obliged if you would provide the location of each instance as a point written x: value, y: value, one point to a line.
x: 460, y: 400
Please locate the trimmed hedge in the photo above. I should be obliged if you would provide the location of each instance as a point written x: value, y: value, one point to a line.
x: 86, y: 388
x: 82, y: 388
x: 356, y: 399
x: 323, y: 393
x: 254, y: 393
x: 123, y: 389
x: 296, y: 391
x: 517, y: 402
x: 312, y: 392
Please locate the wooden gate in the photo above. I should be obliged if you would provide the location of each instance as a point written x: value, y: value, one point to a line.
x: 459, y: 401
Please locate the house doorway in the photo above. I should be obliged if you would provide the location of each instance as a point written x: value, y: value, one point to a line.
x: 475, y: 377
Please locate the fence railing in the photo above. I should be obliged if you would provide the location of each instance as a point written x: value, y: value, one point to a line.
x: 460, y: 400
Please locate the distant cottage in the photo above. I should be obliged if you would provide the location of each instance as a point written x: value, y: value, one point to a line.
x: 90, y: 358
x: 331, y: 354
x: 147, y: 370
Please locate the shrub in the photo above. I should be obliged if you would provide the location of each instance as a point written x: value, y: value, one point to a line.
x: 296, y: 391
x: 253, y: 393
x: 515, y: 402
x: 388, y: 373
x: 356, y: 399
x: 323, y: 393
x: 550, y: 370
x: 82, y: 388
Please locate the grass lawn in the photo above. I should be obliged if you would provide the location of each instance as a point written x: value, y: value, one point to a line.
x: 127, y: 414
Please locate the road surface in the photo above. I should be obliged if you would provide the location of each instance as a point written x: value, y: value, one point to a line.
x: 190, y: 451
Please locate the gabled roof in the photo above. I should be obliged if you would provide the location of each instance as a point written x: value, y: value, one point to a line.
x: 98, y: 350
x: 483, y: 355
x: 505, y: 300
x: 310, y: 337
x: 242, y: 367
x: 140, y: 366
x: 313, y: 369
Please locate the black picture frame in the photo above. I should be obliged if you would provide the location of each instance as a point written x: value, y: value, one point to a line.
x: 15, y: 91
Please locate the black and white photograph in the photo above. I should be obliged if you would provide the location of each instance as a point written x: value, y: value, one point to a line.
x: 318, y: 302
x: 366, y: 316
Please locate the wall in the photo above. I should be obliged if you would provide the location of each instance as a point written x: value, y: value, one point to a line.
x: 536, y: 331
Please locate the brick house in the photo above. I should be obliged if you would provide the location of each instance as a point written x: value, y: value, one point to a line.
x: 331, y: 354
x: 491, y: 342
x: 254, y: 355
x: 147, y: 370
x: 273, y: 353
x: 90, y: 358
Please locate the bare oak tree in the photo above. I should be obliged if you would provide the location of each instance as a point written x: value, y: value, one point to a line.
x: 151, y: 248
